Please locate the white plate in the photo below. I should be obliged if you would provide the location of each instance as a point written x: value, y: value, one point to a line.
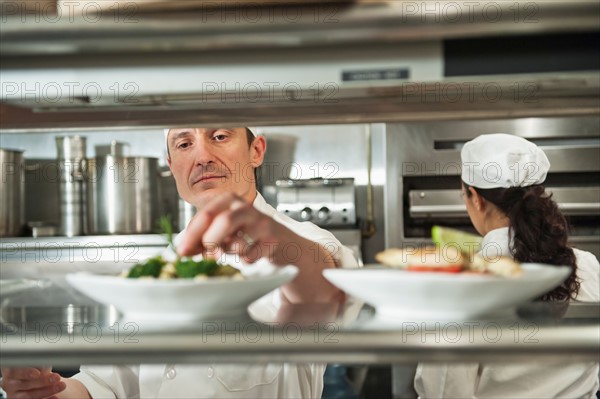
x: 405, y: 295
x: 181, y: 299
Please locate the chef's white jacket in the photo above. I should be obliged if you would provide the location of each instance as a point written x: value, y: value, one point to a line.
x: 220, y: 380
x: 556, y: 379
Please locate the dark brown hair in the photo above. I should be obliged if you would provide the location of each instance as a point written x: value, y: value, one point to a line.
x: 250, y: 139
x: 249, y: 136
x: 540, y: 231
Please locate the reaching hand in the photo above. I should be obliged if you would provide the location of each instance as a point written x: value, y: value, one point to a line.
x: 31, y: 383
x: 229, y: 224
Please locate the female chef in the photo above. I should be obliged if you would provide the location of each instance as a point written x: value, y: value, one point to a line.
x: 502, y: 178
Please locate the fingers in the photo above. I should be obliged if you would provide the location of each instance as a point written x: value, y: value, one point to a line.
x: 31, y: 382
x: 245, y: 232
x: 226, y: 225
x: 231, y: 225
x: 20, y: 373
x: 192, y: 240
x: 25, y: 373
x: 42, y: 393
x: 45, y: 369
x: 250, y: 252
x: 266, y: 240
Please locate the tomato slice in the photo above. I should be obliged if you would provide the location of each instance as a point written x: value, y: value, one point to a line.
x: 441, y: 269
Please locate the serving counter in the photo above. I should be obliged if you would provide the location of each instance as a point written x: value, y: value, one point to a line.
x: 46, y: 322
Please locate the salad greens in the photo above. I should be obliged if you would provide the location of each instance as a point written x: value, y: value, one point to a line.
x: 188, y: 268
x: 150, y: 268
x: 157, y: 267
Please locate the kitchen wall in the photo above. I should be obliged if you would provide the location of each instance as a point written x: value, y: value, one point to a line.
x: 341, y: 151
x: 332, y: 151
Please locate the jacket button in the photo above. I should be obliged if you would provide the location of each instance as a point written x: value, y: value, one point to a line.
x: 210, y: 373
x: 171, y: 373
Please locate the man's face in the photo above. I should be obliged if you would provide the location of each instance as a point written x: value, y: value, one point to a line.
x: 210, y: 161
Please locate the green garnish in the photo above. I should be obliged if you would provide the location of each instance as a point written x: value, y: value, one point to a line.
x: 184, y: 267
x: 151, y: 268
x: 167, y: 229
x: 189, y: 268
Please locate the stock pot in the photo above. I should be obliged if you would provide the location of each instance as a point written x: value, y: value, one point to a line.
x: 12, y: 189
x: 122, y: 194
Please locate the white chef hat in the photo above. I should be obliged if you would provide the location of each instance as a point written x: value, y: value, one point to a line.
x: 501, y: 161
x: 166, y: 132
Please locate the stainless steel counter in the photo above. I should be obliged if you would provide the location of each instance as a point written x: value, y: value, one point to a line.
x: 66, y: 329
x: 55, y: 252
x: 100, y: 251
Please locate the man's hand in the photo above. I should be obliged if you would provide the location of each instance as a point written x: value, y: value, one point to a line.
x: 228, y: 224
x: 31, y: 383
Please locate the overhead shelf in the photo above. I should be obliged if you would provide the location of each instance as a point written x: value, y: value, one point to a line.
x: 569, y: 94
x: 340, y: 62
x: 126, y: 28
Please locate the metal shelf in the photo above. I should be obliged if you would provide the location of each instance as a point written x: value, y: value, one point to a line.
x: 367, y: 342
x: 151, y: 71
x: 128, y: 29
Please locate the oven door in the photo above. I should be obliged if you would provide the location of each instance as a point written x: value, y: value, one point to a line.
x: 581, y: 205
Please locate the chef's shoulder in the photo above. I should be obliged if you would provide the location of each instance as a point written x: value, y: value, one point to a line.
x: 588, y: 272
x: 342, y: 255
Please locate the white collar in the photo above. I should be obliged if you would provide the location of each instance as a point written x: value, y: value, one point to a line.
x: 261, y: 205
x: 497, y: 241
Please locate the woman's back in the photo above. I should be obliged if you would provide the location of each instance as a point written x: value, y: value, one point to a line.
x: 557, y: 379
x: 517, y: 218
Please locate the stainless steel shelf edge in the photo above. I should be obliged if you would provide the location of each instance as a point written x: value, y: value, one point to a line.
x: 568, y: 343
x: 552, y: 95
x: 102, y: 241
x: 128, y: 29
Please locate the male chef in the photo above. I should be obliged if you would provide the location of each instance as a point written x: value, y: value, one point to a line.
x: 214, y: 171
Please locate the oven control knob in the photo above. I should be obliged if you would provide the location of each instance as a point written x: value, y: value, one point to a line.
x: 323, y: 214
x: 306, y: 214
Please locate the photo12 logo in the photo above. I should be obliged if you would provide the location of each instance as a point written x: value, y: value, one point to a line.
x: 269, y: 92
x: 70, y: 332
x: 469, y: 92
x: 271, y: 332
x: 68, y: 92
x: 71, y: 11
x: 69, y: 252
x: 469, y: 332
x: 206, y: 12
x: 469, y: 11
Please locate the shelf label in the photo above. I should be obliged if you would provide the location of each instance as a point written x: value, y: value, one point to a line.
x: 375, y: 74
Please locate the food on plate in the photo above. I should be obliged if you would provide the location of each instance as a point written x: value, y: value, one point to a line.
x: 436, y: 259
x: 448, y: 259
x: 502, y: 266
x: 150, y: 268
x: 158, y: 267
x: 466, y: 242
x: 392, y: 257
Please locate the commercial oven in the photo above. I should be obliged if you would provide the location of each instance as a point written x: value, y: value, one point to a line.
x: 423, y: 179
